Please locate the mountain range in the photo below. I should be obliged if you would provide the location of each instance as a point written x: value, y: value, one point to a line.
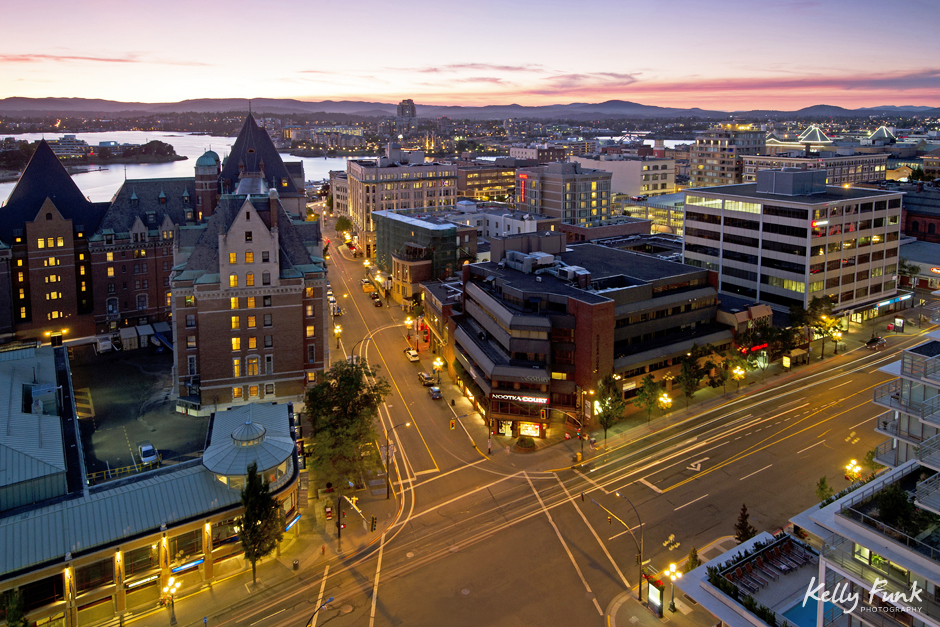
x: 19, y: 106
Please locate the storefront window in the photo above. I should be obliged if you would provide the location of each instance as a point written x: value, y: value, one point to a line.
x: 140, y: 560
x: 94, y: 575
x: 186, y: 544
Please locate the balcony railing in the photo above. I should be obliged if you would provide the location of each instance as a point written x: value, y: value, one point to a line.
x: 928, y: 494
x: 890, y: 395
x: 929, y: 452
x: 919, y: 367
x: 886, y: 454
x: 888, y: 424
x: 839, y: 551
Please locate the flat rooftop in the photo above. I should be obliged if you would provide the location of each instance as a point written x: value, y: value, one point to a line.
x: 832, y: 194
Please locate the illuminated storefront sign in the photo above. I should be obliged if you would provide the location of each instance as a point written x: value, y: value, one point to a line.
x: 522, y: 399
x: 529, y: 428
x: 935, y: 270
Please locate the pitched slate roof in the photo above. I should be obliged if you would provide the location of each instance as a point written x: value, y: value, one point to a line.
x: 45, y: 177
x: 146, y: 194
x: 252, y: 148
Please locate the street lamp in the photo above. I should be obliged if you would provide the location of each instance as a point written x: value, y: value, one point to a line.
x: 366, y: 264
x: 337, y: 330
x: 325, y: 603
x: 169, y: 590
x: 836, y: 336
x: 438, y: 364
x: 408, y: 323
x: 737, y: 374
x: 639, y: 546
x: 388, y: 469
x: 664, y: 401
x: 673, y: 575
x: 853, y: 472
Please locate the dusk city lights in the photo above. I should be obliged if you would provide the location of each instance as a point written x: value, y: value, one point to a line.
x: 485, y: 314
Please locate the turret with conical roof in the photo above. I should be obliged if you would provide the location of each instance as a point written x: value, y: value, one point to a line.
x: 208, y: 169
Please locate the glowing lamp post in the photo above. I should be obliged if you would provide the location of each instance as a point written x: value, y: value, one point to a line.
x: 337, y: 330
x: 853, y: 472
x: 408, y: 323
x: 737, y: 374
x: 836, y: 336
x: 664, y: 401
x: 673, y: 575
x: 438, y: 364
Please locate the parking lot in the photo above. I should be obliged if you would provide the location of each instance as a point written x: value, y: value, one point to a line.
x: 125, y: 399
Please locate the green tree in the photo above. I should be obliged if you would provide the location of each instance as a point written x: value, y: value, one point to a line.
x: 692, y: 562
x: 647, y: 395
x: 908, y: 269
x: 611, y: 403
x: 15, y: 614
x: 718, y: 375
x: 691, y: 371
x: 329, y: 202
x: 823, y: 489
x: 261, y: 526
x: 343, y: 224
x: 819, y: 318
x: 758, y: 338
x: 894, y: 506
x: 342, y: 408
x: 870, y: 463
x: 917, y: 174
x: 743, y: 531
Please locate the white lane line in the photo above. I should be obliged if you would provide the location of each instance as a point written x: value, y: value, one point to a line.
x: 840, y: 385
x: 425, y: 472
x: 375, y: 586
x: 449, y: 472
x: 809, y: 447
x: 267, y: 617
x: 564, y: 544
x: 594, y: 533
x: 689, y: 503
x: 617, y: 535
x: 313, y: 621
x: 598, y: 606
x: 790, y: 403
x: 465, y: 494
x: 755, y: 472
x: 862, y: 422
x: 650, y: 486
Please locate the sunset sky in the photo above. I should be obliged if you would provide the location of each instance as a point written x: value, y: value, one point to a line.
x: 730, y: 55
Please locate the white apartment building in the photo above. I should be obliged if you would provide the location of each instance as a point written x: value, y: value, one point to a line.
x: 634, y: 176
x: 840, y: 170
x: 499, y: 221
x: 788, y: 237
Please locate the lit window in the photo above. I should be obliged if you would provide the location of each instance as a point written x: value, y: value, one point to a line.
x: 233, y: 258
x: 81, y: 270
x: 191, y: 341
x: 23, y: 313
x: 110, y: 270
x: 236, y: 322
x: 251, y: 322
x: 40, y: 243
x: 233, y: 280
x: 249, y: 257
x: 234, y: 302
x: 251, y: 367
x: 236, y: 367
x: 310, y: 330
x: 250, y: 279
x: 236, y: 343
x: 50, y: 242
x: 251, y: 302
x: 252, y: 343
x: 169, y: 299
x: 236, y: 392
x: 60, y: 241
x: 109, y: 256
x: 309, y: 311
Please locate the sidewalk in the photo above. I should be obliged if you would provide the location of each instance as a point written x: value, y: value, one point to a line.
x: 625, y: 610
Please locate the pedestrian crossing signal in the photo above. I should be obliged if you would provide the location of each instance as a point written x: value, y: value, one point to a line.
x: 453, y: 425
x: 372, y: 528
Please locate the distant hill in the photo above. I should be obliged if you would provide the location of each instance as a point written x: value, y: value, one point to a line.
x: 281, y: 106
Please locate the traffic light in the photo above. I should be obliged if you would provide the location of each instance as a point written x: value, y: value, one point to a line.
x: 342, y: 525
x: 372, y: 527
x: 453, y: 425
x: 610, y: 520
x: 543, y: 413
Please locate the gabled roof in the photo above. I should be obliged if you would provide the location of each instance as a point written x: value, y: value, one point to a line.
x: 814, y: 135
x: 253, y: 148
x: 45, y: 177
x: 138, y: 197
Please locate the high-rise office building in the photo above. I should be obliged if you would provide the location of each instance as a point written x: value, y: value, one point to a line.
x: 716, y: 155
x: 575, y: 194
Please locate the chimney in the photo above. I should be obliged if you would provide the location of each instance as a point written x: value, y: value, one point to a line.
x: 272, y: 202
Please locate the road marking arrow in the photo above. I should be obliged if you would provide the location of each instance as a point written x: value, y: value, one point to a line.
x: 697, y: 466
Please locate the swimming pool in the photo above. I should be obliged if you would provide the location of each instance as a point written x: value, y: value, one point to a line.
x: 806, y: 616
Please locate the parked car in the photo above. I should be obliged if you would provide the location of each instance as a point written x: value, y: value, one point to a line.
x: 377, y: 302
x: 435, y: 393
x: 425, y: 379
x: 876, y: 343
x: 148, y: 454
x: 412, y: 354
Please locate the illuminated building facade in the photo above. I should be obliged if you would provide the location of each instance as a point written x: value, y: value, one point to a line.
x: 567, y: 191
x: 716, y: 157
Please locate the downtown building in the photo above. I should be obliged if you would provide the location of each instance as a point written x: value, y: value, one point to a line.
x: 567, y: 191
x: 840, y: 170
x: 635, y: 176
x: 788, y: 238
x: 546, y: 321
x: 390, y: 183
x: 717, y: 156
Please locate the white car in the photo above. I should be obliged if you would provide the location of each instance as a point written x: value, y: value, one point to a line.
x: 148, y: 454
x: 412, y: 354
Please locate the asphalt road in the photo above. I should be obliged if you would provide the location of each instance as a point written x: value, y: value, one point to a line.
x: 504, y: 539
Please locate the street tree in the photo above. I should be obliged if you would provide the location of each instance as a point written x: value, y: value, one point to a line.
x: 693, y: 561
x: 870, y: 463
x: 908, y: 269
x: 611, y: 404
x: 15, y: 614
x: 743, y: 530
x: 261, y: 526
x: 691, y: 371
x: 343, y: 224
x: 342, y: 408
x: 823, y: 489
x: 718, y: 375
x: 760, y: 337
x: 818, y: 316
x: 647, y: 395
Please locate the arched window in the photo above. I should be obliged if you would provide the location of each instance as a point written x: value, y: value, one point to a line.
x: 233, y: 280
x: 931, y: 228
x: 915, y: 226
x: 250, y: 279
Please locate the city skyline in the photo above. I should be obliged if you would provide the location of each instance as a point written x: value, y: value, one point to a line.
x: 776, y: 55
